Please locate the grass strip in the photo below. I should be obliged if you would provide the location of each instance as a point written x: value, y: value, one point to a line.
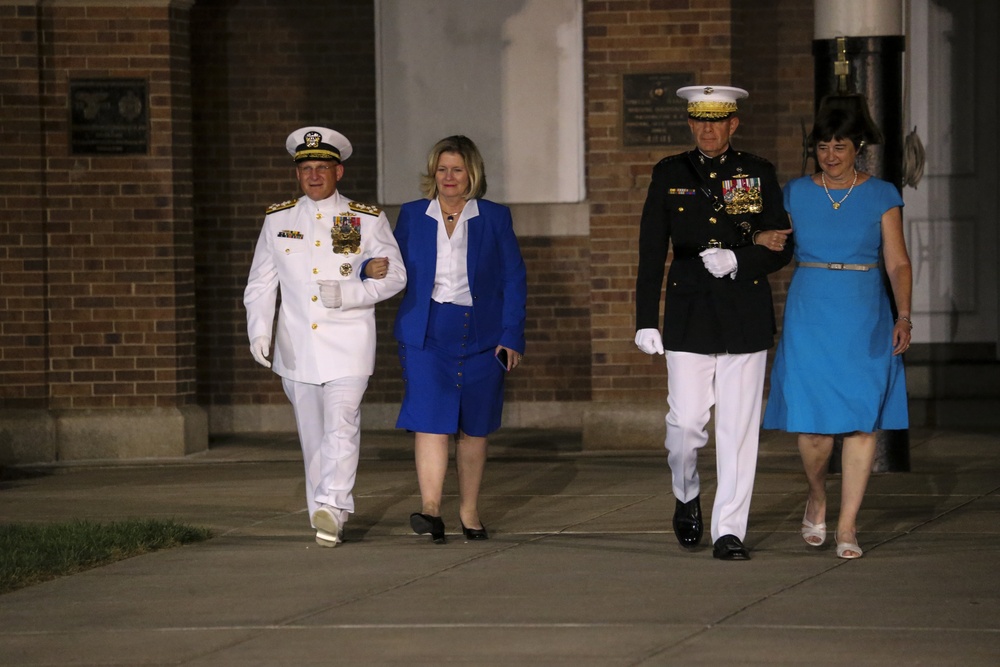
x: 33, y: 553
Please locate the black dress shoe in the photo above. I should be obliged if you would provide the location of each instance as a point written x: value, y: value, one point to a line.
x: 729, y: 547
x: 475, y: 533
x: 425, y: 523
x: 687, y: 522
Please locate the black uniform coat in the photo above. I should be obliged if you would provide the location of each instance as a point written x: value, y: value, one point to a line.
x: 704, y: 314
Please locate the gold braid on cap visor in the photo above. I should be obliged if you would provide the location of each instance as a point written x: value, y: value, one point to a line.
x: 711, y: 109
x: 316, y: 154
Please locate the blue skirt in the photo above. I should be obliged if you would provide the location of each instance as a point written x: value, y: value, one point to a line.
x: 450, y: 385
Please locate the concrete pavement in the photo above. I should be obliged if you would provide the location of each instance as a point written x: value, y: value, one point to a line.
x: 581, y: 569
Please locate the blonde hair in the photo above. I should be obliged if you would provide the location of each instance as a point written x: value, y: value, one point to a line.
x: 467, y: 150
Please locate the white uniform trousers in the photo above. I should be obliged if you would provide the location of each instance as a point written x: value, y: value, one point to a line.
x: 328, y: 417
x: 734, y: 384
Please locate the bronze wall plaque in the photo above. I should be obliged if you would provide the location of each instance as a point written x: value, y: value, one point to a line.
x: 109, y: 116
x: 652, y: 114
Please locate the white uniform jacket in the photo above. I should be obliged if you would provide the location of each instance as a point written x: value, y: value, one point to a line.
x: 296, y: 249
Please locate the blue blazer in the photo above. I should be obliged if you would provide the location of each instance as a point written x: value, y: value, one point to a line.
x: 497, y: 277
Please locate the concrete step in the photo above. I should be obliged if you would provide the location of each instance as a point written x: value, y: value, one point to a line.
x: 961, y: 413
x: 957, y: 387
x: 979, y: 380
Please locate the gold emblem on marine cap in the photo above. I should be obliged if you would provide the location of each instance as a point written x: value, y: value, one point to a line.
x: 711, y: 102
x: 312, y: 139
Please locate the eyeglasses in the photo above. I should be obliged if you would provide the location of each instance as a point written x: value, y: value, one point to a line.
x: 318, y: 169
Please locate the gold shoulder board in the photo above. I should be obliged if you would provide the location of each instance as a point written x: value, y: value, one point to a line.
x: 273, y: 208
x: 364, y: 208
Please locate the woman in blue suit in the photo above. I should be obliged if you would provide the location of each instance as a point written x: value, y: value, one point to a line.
x: 460, y: 327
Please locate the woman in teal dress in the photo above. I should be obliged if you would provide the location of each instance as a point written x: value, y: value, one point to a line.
x: 837, y: 369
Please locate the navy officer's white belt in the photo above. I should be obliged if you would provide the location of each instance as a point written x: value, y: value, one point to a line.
x: 838, y: 266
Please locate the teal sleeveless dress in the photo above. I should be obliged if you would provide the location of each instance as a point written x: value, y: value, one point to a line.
x: 834, y: 371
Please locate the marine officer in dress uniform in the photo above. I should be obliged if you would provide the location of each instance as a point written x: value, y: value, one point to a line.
x: 710, y: 204
x: 333, y: 259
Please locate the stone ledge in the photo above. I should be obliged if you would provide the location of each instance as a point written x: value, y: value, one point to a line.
x: 27, y: 436
x: 624, y: 426
x: 603, y: 425
x: 44, y: 436
x: 279, y: 418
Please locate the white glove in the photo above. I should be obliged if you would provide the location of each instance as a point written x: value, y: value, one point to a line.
x: 720, y: 262
x: 259, y: 347
x: 649, y: 341
x: 329, y: 293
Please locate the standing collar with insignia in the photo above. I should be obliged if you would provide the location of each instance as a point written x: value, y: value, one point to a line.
x: 720, y: 159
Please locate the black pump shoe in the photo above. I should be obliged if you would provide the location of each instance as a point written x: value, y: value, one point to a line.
x: 475, y: 533
x: 425, y: 523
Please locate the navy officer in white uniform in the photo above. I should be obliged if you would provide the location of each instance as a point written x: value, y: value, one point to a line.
x: 711, y: 204
x: 332, y: 259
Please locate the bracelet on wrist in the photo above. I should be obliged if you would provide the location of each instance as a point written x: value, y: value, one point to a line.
x: 905, y: 319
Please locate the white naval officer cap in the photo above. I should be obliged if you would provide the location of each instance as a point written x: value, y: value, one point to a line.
x: 711, y: 102
x: 318, y: 143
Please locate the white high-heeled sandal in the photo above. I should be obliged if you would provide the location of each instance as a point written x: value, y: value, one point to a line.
x: 844, y: 547
x: 813, y: 531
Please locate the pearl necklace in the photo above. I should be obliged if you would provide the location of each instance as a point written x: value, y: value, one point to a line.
x: 836, y: 204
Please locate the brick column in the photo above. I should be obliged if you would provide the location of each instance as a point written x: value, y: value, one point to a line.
x: 98, y: 344
x: 23, y: 345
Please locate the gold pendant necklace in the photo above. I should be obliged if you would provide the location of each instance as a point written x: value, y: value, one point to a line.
x: 451, y: 216
x: 836, y: 204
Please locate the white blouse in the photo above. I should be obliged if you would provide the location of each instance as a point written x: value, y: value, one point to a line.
x: 451, y: 275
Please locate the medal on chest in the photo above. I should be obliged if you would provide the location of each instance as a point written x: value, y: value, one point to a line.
x: 346, y: 234
x: 742, y: 195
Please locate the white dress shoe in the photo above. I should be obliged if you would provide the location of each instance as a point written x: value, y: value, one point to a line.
x: 329, y: 532
x: 325, y: 539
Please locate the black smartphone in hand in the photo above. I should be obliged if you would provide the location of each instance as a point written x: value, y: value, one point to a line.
x: 501, y: 358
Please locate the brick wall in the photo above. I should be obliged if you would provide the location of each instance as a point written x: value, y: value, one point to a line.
x: 622, y: 37
x: 557, y: 364
x: 22, y: 249
x: 719, y: 42
x: 261, y: 70
x: 112, y: 232
x: 123, y: 276
x: 780, y: 80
